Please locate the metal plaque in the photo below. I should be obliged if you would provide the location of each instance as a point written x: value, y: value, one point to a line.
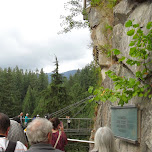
x: 124, y: 122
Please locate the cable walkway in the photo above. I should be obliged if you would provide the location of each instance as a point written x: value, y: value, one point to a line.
x: 66, y: 110
x: 78, y: 126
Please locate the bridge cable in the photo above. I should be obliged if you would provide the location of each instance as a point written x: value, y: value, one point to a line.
x: 71, y: 106
x: 69, y: 110
x: 66, y: 109
x: 80, y: 110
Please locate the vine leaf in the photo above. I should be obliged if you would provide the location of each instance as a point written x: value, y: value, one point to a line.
x: 131, y: 32
x: 90, y: 90
x: 135, y: 36
x: 121, y: 59
x: 116, y: 51
x: 149, y: 25
x: 128, y: 23
x: 136, y: 25
x: 132, y: 43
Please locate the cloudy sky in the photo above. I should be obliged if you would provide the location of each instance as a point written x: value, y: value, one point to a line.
x: 29, y: 39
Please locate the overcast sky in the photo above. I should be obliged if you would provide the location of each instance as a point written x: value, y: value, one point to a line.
x: 29, y: 39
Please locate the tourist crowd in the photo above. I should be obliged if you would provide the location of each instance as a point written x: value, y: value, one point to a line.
x: 43, y: 135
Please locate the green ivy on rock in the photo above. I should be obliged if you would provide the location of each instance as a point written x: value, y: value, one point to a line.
x: 127, y: 88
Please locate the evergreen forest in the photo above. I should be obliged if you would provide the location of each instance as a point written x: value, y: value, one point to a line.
x: 31, y: 93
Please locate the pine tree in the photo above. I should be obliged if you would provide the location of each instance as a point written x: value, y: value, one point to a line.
x: 42, y: 81
x: 29, y: 101
x: 55, y: 96
x: 8, y: 105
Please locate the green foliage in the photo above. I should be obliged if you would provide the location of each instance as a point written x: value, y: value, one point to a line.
x: 78, y: 84
x: 127, y: 88
x: 42, y: 80
x: 29, y: 91
x: 75, y: 9
x: 95, y: 2
x: 111, y: 3
x: 71, y: 21
x: 7, y: 94
x: 14, y: 92
x: 55, y: 96
x: 131, y: 32
x: 108, y: 27
x: 128, y: 23
x: 116, y: 51
x: 29, y: 102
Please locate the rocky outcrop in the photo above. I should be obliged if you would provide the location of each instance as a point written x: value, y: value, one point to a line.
x: 141, y: 12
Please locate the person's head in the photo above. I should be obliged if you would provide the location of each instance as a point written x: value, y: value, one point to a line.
x: 16, y: 118
x: 104, y: 140
x: 27, y: 114
x: 4, y: 124
x: 49, y: 117
x: 55, y: 122
x: 21, y: 114
x: 16, y: 133
x: 39, y: 130
x: 46, y: 116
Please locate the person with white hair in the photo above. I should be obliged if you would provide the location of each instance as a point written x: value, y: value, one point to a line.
x: 104, y: 140
x: 16, y: 133
x: 39, y: 133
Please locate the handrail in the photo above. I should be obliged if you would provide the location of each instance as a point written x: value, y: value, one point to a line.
x: 83, y: 141
x: 76, y: 118
x: 66, y: 118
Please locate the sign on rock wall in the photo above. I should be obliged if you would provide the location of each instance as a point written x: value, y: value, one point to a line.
x: 125, y: 123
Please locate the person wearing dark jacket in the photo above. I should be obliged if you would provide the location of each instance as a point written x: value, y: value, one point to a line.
x: 39, y: 133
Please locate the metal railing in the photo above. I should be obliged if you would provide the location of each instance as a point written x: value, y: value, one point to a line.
x: 76, y: 145
x: 78, y: 126
x: 81, y: 141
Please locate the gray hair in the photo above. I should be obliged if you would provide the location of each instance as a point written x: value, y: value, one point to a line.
x: 104, y: 140
x: 37, y: 130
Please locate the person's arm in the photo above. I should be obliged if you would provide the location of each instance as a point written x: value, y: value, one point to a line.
x: 61, y: 126
x: 65, y: 138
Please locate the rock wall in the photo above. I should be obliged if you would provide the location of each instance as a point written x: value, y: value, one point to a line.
x: 103, y: 39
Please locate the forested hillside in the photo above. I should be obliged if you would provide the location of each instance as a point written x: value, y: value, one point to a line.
x: 17, y: 86
x: 30, y: 92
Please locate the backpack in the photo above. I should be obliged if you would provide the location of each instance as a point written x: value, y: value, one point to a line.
x: 11, y: 146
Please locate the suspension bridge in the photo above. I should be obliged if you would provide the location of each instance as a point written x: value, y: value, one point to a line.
x: 78, y: 126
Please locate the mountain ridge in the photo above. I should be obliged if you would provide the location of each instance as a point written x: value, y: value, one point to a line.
x: 65, y: 74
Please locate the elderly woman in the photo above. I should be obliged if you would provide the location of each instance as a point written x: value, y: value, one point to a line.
x: 104, y: 140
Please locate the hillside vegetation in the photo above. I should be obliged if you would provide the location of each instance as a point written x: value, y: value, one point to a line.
x: 31, y: 93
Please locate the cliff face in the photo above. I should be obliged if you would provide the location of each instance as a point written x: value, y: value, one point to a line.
x: 103, y: 39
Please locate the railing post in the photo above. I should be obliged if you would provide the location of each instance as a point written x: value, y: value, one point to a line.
x: 78, y: 124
